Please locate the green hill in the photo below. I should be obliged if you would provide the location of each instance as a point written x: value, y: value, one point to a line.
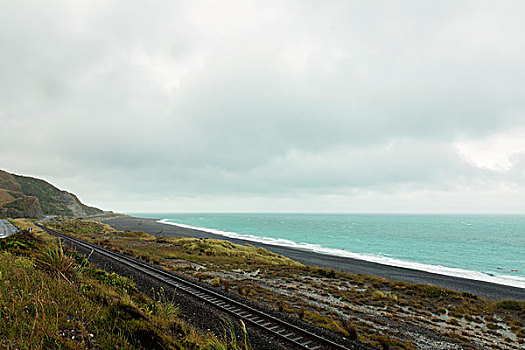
x: 22, y: 196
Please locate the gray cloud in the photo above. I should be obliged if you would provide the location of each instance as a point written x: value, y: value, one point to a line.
x: 179, y: 105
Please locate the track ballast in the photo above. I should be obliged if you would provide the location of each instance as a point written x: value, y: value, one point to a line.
x: 290, y: 333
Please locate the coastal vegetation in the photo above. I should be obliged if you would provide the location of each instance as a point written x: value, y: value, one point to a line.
x: 54, y: 298
x: 383, y: 313
x: 22, y: 196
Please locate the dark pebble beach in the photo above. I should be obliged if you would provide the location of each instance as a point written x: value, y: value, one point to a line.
x: 480, y: 288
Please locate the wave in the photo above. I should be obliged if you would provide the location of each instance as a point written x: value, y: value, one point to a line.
x: 488, y: 276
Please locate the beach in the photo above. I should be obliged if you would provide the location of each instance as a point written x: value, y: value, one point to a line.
x: 481, y: 288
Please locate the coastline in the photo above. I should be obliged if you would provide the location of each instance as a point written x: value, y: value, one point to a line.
x: 485, y: 289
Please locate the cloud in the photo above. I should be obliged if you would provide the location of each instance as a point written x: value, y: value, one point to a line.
x: 499, y: 152
x: 264, y: 100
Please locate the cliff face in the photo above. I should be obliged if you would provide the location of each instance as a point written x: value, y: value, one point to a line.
x: 22, y: 196
x: 28, y: 206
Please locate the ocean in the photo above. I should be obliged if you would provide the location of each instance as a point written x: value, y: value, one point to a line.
x: 481, y: 247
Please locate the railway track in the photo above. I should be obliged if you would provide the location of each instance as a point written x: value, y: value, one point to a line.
x: 290, y: 333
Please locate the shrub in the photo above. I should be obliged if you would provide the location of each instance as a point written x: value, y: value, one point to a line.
x: 350, y: 328
x: 377, y: 295
x: 328, y: 273
x: 509, y: 304
x: 20, y: 241
x: 429, y: 291
x: 384, y: 341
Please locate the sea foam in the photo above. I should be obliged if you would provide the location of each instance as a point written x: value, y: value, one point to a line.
x: 487, y: 276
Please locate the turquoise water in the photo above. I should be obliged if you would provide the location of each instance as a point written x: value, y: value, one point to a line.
x: 483, y: 247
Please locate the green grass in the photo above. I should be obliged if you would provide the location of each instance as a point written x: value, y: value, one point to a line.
x: 206, y: 250
x: 342, y: 302
x: 40, y: 311
x: 228, y: 340
x: 511, y: 305
x: 52, y: 298
x: 56, y: 262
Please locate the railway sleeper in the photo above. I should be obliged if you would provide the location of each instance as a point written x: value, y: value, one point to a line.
x: 189, y: 289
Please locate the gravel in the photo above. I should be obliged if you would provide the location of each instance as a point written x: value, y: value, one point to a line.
x: 203, y: 317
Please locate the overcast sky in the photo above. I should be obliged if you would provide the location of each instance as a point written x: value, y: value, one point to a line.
x: 268, y: 106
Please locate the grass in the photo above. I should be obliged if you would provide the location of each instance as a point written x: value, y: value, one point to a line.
x: 5, y: 196
x: 55, y: 261
x: 40, y: 311
x: 204, y: 250
x: 508, y: 304
x: 371, y: 309
x: 54, y: 298
x: 228, y: 340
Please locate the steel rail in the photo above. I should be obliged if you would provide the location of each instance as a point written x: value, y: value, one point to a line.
x: 291, y: 333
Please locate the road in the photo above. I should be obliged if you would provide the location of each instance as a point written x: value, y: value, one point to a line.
x: 6, y: 228
x: 46, y: 218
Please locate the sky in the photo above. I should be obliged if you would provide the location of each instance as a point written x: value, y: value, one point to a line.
x: 268, y: 106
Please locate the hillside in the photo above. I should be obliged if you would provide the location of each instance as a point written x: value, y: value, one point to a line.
x: 22, y: 196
